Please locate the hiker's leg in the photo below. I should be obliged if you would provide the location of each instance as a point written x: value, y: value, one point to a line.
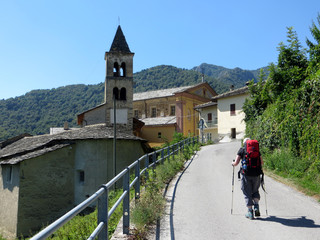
x: 256, y: 195
x: 255, y: 188
x: 246, y: 187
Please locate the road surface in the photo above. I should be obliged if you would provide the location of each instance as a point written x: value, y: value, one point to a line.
x: 201, y: 207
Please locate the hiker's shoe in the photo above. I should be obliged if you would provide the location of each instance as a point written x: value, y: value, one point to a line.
x: 256, y: 210
x: 249, y: 214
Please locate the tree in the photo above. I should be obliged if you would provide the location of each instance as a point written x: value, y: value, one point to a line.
x: 259, y: 98
x: 314, y: 48
x: 291, y: 68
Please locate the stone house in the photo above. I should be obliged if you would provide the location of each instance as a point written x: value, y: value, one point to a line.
x: 225, y: 112
x: 43, y: 177
x: 166, y: 111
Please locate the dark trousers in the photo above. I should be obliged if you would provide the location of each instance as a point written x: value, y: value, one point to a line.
x: 250, y: 188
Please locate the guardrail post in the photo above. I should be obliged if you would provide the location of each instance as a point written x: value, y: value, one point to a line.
x: 146, y: 163
x: 174, y: 150
x: 137, y: 185
x: 126, y: 202
x: 168, y: 153
x: 103, y: 214
x: 162, y: 155
x: 154, y: 159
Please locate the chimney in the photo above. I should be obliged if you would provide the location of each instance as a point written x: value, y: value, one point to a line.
x: 65, y: 126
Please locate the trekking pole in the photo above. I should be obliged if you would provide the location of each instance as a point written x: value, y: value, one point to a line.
x: 265, y: 193
x: 232, y: 188
x: 265, y: 198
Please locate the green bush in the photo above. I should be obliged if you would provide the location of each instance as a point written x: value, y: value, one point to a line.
x: 148, y: 208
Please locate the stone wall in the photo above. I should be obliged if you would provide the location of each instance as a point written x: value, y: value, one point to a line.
x: 46, y: 189
x: 94, y: 116
x: 95, y: 159
x: 9, y: 194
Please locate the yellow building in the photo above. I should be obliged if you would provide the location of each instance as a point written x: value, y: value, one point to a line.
x: 167, y: 111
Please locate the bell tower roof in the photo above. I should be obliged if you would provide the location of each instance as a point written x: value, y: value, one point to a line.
x: 119, y: 43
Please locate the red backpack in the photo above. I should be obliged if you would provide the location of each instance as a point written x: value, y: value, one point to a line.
x: 251, y: 165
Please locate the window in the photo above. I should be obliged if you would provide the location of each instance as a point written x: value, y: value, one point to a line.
x: 159, y: 134
x: 123, y: 70
x: 116, y: 69
x: 9, y: 174
x: 209, y: 117
x: 116, y: 93
x: 172, y: 110
x: 153, y: 112
x: 81, y: 176
x: 123, y: 94
x: 232, y: 109
x: 189, y: 115
x: 136, y: 113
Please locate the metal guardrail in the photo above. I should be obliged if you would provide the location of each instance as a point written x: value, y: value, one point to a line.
x: 101, y: 195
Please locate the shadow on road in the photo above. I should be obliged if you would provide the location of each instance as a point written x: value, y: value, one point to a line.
x: 302, y: 221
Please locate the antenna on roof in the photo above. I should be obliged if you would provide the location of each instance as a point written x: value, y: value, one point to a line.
x: 202, y: 74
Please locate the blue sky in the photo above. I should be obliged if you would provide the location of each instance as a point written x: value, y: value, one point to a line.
x: 47, y: 44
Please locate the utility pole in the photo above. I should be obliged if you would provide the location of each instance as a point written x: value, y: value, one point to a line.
x: 114, y: 136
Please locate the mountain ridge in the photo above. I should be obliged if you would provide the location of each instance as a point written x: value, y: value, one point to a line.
x: 38, y: 110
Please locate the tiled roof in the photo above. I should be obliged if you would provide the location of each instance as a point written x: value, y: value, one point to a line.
x: 159, y: 93
x: 29, y: 147
x: 159, y: 121
x: 232, y: 93
x: 208, y: 104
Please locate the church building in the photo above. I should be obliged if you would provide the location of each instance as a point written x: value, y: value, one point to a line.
x: 118, y: 95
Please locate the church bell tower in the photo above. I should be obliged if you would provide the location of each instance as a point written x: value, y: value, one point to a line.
x: 119, y: 83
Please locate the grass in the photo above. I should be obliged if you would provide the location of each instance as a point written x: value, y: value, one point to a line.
x: 150, y: 206
x: 282, y: 165
x: 81, y: 226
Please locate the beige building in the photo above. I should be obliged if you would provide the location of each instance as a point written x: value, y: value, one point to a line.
x: 226, y: 108
x: 208, y: 123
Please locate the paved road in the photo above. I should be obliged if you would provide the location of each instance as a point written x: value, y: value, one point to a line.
x: 202, y: 204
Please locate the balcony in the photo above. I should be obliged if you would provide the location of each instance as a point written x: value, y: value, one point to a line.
x: 211, y: 124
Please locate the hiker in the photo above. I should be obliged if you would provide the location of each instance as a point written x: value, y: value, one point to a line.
x: 250, y: 180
